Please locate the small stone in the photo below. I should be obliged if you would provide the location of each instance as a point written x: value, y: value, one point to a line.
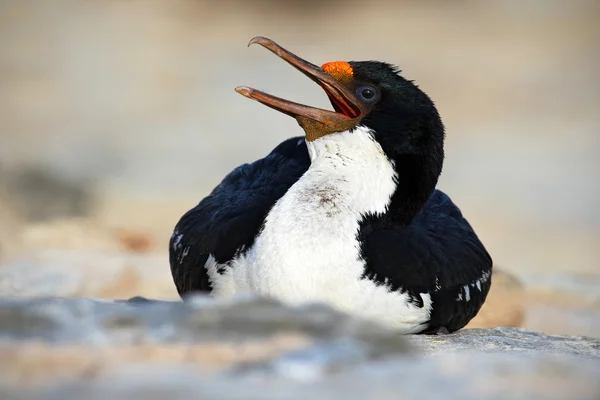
x: 24, y: 323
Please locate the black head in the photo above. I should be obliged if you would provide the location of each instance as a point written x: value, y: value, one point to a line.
x: 373, y: 94
x: 403, y: 117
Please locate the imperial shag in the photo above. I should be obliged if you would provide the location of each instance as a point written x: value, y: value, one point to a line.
x: 348, y: 214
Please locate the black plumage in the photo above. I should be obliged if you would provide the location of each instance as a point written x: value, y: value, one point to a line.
x: 227, y: 221
x: 437, y: 253
x: 421, y: 245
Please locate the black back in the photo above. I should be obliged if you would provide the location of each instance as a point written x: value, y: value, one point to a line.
x: 227, y: 221
x: 438, y: 253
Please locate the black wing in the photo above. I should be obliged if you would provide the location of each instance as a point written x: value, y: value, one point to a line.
x: 228, y: 220
x: 439, y: 254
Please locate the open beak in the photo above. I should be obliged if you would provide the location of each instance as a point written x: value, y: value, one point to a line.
x: 347, y: 107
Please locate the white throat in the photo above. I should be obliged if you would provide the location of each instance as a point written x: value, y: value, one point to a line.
x: 308, y: 248
x: 354, y: 167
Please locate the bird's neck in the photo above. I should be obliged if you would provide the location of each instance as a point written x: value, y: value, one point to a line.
x: 416, y: 181
x: 371, y: 184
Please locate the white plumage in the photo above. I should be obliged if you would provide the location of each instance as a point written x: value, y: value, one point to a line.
x: 308, y: 251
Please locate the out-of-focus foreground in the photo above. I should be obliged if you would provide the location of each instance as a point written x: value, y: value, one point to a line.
x: 118, y: 116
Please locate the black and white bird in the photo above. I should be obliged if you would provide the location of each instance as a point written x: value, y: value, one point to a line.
x: 348, y: 215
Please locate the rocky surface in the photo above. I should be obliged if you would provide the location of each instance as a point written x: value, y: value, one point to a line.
x: 87, y: 273
x: 56, y: 348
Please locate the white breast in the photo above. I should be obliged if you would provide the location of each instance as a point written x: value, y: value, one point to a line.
x: 308, y: 251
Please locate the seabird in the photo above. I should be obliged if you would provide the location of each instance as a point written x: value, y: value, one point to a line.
x: 348, y: 215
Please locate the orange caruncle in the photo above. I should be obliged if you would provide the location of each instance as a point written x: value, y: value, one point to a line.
x: 340, y: 70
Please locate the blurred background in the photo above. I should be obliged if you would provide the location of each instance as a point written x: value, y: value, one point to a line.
x: 117, y: 116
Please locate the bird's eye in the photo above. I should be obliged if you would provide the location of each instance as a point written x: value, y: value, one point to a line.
x: 367, y: 94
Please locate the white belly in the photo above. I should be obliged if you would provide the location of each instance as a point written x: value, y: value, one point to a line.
x: 308, y: 251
